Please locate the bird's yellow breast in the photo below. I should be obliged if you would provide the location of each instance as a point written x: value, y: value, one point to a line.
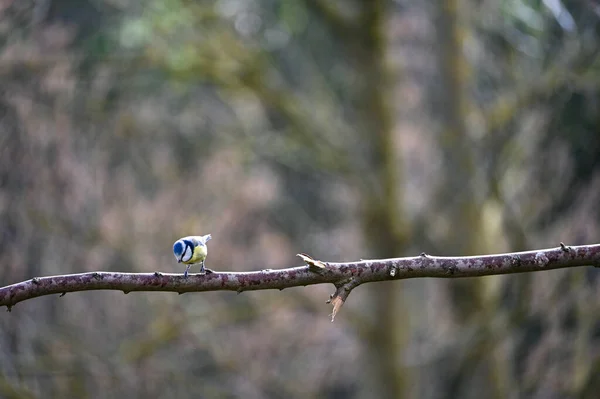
x: 198, y: 256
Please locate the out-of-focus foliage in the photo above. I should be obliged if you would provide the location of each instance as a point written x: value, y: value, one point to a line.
x: 344, y: 129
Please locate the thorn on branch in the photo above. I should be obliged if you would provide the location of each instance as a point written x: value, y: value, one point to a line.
x: 341, y: 293
x: 315, y: 266
x: 63, y: 294
x: 35, y: 281
x: 157, y: 274
x: 125, y: 292
x: 9, y: 308
x: 564, y: 247
x: 424, y: 255
x: 337, y: 303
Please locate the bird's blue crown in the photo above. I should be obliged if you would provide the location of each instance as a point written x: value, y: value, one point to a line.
x: 178, y: 248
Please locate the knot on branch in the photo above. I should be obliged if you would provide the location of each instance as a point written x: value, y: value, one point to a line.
x: 343, y: 289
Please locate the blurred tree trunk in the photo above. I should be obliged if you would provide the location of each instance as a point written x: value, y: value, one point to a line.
x: 469, y: 234
x: 384, y: 224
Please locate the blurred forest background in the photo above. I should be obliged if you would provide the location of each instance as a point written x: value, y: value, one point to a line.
x: 344, y: 129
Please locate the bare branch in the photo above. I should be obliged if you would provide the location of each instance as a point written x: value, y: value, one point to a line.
x: 345, y: 276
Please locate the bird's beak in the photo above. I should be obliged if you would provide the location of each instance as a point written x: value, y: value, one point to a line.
x: 179, y: 261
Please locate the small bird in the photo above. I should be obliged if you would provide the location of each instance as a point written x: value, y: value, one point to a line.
x: 191, y: 250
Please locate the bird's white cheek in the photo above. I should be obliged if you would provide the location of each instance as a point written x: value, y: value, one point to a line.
x: 187, y: 255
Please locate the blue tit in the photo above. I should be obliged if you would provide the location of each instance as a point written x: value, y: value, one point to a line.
x: 191, y: 250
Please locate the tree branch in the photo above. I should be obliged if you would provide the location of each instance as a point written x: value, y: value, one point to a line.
x: 345, y: 276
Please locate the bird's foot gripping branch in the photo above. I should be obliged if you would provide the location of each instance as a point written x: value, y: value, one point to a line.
x: 344, y: 276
